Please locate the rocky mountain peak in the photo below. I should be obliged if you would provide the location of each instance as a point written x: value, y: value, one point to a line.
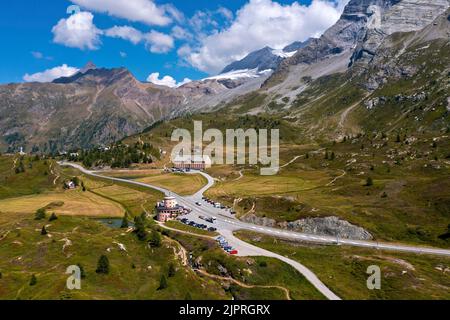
x: 89, y: 66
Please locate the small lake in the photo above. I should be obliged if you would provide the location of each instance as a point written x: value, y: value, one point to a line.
x: 113, y: 223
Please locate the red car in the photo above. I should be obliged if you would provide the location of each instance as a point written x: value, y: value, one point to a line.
x: 233, y: 252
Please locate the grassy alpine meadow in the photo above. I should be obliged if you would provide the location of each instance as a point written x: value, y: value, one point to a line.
x: 73, y: 202
x: 344, y: 269
x: 22, y: 175
x: 182, y: 184
x: 135, y: 269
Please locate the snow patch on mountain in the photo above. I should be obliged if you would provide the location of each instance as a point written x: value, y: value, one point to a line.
x: 240, y: 74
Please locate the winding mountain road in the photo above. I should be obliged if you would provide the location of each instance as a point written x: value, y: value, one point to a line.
x: 226, y: 224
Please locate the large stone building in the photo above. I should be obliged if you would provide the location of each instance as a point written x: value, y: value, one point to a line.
x: 192, y: 162
x: 168, y: 209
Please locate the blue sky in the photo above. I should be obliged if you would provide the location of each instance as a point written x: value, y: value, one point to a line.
x: 179, y: 38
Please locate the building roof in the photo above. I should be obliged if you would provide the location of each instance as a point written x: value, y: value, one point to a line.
x: 192, y: 158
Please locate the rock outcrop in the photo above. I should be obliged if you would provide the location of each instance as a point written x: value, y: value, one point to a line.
x: 329, y: 226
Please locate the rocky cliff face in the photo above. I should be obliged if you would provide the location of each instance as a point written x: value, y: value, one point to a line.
x: 362, y: 28
x: 329, y: 226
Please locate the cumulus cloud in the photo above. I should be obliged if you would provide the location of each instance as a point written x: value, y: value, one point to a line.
x: 167, y: 81
x: 181, y: 33
x: 51, y: 74
x: 158, y: 42
x: 125, y: 32
x: 258, y: 24
x: 145, y: 11
x: 78, y: 31
x: 155, y: 41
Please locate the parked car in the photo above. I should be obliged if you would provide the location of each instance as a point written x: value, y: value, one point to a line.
x: 199, y: 204
x: 233, y: 252
x: 211, y: 229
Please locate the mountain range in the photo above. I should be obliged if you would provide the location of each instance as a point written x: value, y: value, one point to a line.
x: 383, y: 65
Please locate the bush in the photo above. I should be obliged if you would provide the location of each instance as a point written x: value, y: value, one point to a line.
x: 124, y: 224
x: 172, y: 271
x: 155, y: 239
x: 82, y: 272
x: 33, y: 280
x: 40, y: 214
x: 263, y: 264
x: 163, y: 283
x: 103, y: 265
x: 140, y: 228
x: 369, y: 182
x: 53, y: 217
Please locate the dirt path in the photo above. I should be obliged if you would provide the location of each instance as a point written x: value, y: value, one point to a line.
x: 53, y: 174
x: 241, y: 175
x: 292, y: 161
x: 241, y: 284
x: 14, y: 164
x: 338, y: 177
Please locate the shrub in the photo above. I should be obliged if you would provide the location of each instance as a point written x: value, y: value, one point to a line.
x: 33, y: 280
x: 155, y: 239
x: 53, y: 217
x: 103, y: 265
x: 172, y: 271
x: 163, y: 283
x: 40, y: 214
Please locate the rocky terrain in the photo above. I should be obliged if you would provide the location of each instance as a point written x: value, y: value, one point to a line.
x: 328, y: 226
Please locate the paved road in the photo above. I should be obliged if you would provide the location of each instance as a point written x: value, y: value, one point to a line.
x: 226, y: 224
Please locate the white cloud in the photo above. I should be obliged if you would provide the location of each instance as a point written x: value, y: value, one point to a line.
x: 226, y: 13
x: 167, y: 81
x: 51, y: 74
x: 145, y: 11
x: 180, y: 33
x: 158, y: 42
x: 125, y: 32
x: 258, y: 24
x: 176, y: 14
x: 77, y: 31
x: 37, y: 54
x: 123, y: 54
x: 155, y: 41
